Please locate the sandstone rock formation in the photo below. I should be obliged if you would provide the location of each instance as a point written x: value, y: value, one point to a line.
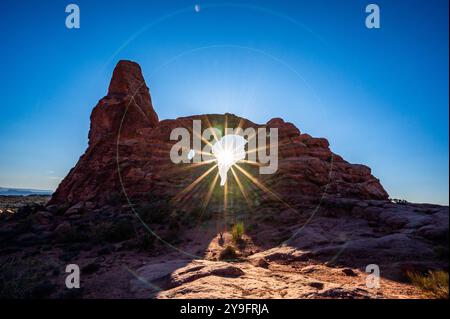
x: 126, y: 137
x: 129, y: 218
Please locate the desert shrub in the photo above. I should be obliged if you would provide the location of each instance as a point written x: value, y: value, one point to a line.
x: 75, y: 234
x: 121, y: 230
x: 151, y: 213
x: 252, y: 227
x: 61, y: 209
x: 237, y: 231
x: 25, y: 278
x: 434, y: 283
x: 198, y: 215
x: 30, y: 209
x: 227, y: 253
x: 25, y: 224
x: 114, y: 231
x: 186, y: 219
x: 172, y: 237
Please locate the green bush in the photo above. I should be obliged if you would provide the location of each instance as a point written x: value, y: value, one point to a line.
x: 60, y: 210
x: 152, y: 213
x: 228, y: 253
x: 237, y: 231
x: 252, y: 227
x: 25, y: 225
x: 74, y: 235
x: 434, y: 284
x: 114, y: 231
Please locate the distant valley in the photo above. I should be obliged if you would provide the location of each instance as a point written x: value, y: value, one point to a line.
x: 5, y: 191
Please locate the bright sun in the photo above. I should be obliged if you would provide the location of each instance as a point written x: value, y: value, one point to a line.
x: 228, y: 151
x: 225, y: 157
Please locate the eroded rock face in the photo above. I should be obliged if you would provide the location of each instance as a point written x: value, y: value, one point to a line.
x: 127, y: 107
x: 127, y: 137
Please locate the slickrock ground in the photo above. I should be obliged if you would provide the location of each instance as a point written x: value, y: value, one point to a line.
x: 327, y: 259
x: 328, y: 220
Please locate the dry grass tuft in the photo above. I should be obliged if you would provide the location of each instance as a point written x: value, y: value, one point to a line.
x: 434, y: 283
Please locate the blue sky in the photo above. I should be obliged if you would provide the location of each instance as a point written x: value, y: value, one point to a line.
x: 379, y: 96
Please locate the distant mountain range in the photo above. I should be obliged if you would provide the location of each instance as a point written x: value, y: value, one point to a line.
x: 5, y: 191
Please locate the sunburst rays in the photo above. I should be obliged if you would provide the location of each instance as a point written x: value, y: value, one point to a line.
x: 242, y: 189
x: 191, y: 186
x: 237, y: 172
